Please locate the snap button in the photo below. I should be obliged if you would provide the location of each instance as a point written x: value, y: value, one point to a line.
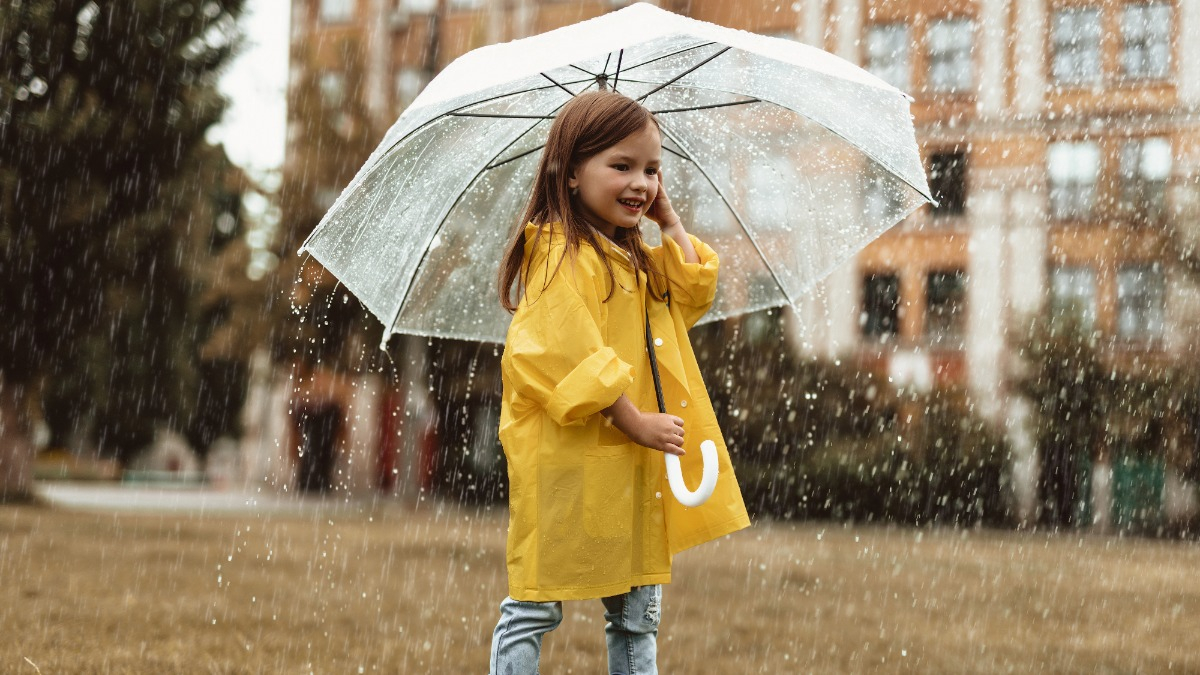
x: 658, y: 495
x: 657, y: 342
x: 683, y: 404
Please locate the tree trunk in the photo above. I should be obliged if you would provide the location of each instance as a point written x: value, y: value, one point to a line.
x: 16, y: 446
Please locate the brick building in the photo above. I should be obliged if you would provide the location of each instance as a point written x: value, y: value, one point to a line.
x: 1061, y: 137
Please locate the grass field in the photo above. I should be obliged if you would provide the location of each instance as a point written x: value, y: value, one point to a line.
x: 394, y: 589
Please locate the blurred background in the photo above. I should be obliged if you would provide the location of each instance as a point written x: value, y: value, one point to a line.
x: 1024, y: 352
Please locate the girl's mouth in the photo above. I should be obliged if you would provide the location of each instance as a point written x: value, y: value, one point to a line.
x: 631, y: 204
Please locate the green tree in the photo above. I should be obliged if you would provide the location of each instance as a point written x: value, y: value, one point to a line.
x: 102, y: 104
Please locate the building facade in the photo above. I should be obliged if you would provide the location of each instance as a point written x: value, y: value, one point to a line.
x: 1061, y: 139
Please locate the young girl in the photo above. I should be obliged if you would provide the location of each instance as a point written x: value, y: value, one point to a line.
x: 591, y: 515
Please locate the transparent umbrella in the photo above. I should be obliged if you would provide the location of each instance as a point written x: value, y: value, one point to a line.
x: 786, y: 159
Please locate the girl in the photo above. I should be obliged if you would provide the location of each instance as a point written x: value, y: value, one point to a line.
x: 591, y: 515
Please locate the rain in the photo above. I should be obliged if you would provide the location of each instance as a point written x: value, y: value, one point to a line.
x: 250, y: 363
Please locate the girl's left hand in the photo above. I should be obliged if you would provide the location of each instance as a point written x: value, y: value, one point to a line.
x: 661, y: 211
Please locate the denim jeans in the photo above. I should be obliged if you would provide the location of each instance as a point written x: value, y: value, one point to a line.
x: 631, y: 633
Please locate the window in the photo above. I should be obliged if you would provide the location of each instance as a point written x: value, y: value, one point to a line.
x: 337, y: 11
x: 949, y: 42
x: 776, y: 176
x: 1146, y: 41
x: 789, y: 35
x: 945, y: 305
x: 1145, y: 169
x: 324, y: 197
x: 1073, y: 295
x: 880, y: 317
x: 1076, y: 38
x: 227, y: 217
x: 333, y: 89
x: 409, y: 83
x: 417, y: 6
x: 1073, y: 168
x: 882, y: 200
x: 887, y: 53
x: 948, y: 182
x: 1141, y: 301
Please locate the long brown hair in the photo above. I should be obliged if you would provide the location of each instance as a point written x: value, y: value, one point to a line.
x: 587, y: 125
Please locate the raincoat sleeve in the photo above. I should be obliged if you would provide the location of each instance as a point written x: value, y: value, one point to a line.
x: 693, y: 285
x: 555, y: 356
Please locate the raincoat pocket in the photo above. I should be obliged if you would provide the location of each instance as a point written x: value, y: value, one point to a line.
x: 608, y: 491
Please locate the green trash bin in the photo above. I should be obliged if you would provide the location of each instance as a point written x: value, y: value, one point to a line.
x: 1139, y: 490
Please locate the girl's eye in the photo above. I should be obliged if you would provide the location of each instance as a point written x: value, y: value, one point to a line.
x: 621, y: 167
x: 652, y: 171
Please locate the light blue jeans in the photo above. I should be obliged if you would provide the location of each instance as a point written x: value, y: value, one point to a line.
x: 631, y: 633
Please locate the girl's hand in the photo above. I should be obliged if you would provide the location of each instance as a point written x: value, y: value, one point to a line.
x: 661, y: 211
x: 659, y: 431
x: 668, y: 221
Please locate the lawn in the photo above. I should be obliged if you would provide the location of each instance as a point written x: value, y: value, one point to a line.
x: 400, y: 589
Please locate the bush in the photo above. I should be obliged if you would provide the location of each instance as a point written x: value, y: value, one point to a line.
x: 952, y: 471
x: 819, y: 439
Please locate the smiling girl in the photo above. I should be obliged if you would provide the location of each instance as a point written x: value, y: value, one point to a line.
x: 579, y: 421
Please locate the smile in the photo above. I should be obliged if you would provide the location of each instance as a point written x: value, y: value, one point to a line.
x: 631, y: 203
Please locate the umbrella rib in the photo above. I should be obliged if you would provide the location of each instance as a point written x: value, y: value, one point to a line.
x: 706, y: 107
x: 867, y: 151
x: 617, y: 75
x: 557, y: 84
x: 527, y: 152
x: 501, y: 116
x: 514, y: 157
x: 452, y: 112
x: 667, y: 56
x: 736, y: 216
x: 678, y: 154
x: 441, y: 221
x: 680, y: 76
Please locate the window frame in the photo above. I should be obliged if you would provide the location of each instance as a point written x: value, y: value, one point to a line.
x: 951, y: 332
x: 1167, y: 45
x: 1148, y: 304
x: 1141, y: 195
x: 887, y: 328
x: 1088, y: 315
x: 1060, y: 48
x: 349, y: 8
x: 1091, y: 195
x: 906, y: 61
x: 953, y: 56
x: 955, y: 203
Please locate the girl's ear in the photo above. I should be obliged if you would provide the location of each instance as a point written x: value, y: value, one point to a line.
x: 572, y: 181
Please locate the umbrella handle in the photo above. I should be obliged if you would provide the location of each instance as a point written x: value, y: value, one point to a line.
x: 708, y: 479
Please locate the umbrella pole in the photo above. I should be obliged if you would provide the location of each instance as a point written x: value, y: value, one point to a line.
x: 708, y: 449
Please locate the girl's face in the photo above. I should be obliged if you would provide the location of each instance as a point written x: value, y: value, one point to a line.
x: 618, y: 184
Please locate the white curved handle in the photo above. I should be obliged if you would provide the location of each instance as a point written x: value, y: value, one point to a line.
x: 708, y: 480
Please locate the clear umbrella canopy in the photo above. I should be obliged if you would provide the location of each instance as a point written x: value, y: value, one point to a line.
x: 786, y: 159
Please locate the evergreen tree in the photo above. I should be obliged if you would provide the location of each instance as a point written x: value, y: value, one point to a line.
x: 102, y: 104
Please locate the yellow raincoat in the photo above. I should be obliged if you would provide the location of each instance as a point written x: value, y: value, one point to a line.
x: 591, y: 514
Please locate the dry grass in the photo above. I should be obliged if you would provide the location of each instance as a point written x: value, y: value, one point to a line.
x: 389, y: 589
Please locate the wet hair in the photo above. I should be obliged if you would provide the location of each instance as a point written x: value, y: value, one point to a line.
x: 586, y: 126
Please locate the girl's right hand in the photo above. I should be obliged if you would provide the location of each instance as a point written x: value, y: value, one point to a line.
x: 659, y: 431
